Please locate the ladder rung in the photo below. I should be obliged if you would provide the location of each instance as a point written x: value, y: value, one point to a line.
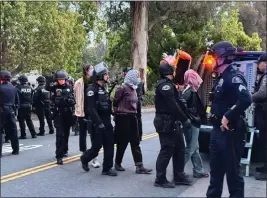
x: 248, y: 145
x: 244, y: 161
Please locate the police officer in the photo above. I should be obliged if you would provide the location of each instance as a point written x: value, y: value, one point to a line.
x: 260, y: 99
x: 42, y: 107
x: 64, y: 101
x: 75, y: 127
x: 99, y: 110
x: 168, y: 122
x: 230, y: 99
x: 24, y: 112
x: 9, y: 101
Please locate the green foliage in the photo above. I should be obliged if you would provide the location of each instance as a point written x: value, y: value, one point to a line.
x: 148, y: 98
x: 191, y: 26
x: 227, y: 27
x: 45, y: 35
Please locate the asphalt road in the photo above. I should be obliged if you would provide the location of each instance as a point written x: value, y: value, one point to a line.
x: 34, y: 173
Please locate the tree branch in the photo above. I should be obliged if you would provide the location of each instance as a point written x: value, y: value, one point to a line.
x: 163, y: 18
x: 16, y: 70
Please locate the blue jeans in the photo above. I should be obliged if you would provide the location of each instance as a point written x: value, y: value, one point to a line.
x: 192, y: 149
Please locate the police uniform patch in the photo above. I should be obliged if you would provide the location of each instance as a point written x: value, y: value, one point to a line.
x: 101, y: 91
x: 90, y: 93
x: 68, y: 90
x: 166, y: 87
x: 237, y: 80
x: 242, y: 87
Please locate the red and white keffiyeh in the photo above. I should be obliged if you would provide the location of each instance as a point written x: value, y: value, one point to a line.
x: 193, y: 79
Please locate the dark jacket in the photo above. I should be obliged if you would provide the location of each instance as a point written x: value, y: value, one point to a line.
x: 125, y: 100
x: 195, y: 109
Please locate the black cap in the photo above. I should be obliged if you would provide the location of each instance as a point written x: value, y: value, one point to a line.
x: 262, y: 58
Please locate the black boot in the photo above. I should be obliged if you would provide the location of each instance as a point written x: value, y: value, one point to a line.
x: 261, y: 176
x: 142, y: 170
x: 22, y: 137
x: 119, y: 167
x: 165, y: 184
x: 182, y: 179
x: 15, y: 152
x: 84, y: 165
x: 59, y: 161
x: 109, y: 173
x: 40, y: 134
x: 66, y: 154
x: 34, y: 136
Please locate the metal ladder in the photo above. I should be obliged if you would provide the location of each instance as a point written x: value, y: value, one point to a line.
x: 250, y: 72
x: 248, y: 145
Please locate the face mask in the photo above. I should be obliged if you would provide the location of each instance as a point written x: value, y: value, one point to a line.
x: 61, y: 82
x: 138, y: 81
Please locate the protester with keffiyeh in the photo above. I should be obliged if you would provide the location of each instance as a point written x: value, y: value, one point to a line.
x: 126, y: 127
x: 194, y: 111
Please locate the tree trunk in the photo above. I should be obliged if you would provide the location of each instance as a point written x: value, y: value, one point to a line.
x: 139, y: 11
x: 3, y: 46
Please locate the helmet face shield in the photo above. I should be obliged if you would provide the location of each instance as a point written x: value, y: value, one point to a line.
x: 219, y: 57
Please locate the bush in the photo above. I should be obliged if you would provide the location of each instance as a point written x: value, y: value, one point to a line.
x: 148, y: 98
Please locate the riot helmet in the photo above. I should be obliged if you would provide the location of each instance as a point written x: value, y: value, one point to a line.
x: 61, y: 75
x: 100, y: 71
x: 166, y: 66
x: 5, y: 75
x: 223, y: 52
x: 70, y: 80
x: 41, y: 79
x: 23, y: 79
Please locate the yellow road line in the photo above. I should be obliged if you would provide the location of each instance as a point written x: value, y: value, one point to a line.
x: 46, y: 166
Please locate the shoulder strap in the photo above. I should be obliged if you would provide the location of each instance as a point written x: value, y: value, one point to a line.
x: 261, y: 78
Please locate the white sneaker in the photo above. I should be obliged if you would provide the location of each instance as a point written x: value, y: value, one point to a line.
x: 95, y: 163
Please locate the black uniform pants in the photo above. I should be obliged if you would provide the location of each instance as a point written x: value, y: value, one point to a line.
x: 126, y: 130
x: 8, y: 122
x: 260, y: 119
x: 63, y: 123
x: 172, y: 146
x: 82, y: 134
x: 43, y: 113
x: 24, y: 114
x: 102, y: 138
x: 139, y: 119
x: 226, y: 149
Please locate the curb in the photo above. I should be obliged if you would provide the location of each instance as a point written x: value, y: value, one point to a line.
x: 148, y: 110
